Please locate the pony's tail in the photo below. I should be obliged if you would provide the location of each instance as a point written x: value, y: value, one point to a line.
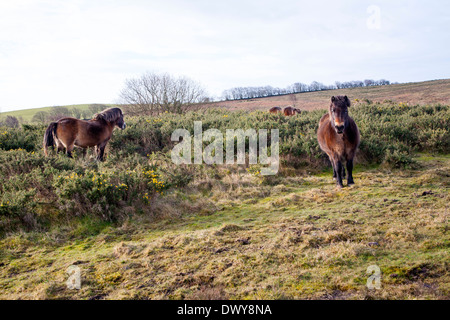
x: 49, y: 136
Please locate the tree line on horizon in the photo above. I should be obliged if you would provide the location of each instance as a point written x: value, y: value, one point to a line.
x: 239, y: 93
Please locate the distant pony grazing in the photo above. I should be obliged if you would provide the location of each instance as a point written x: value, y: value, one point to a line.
x: 338, y: 137
x: 290, y: 111
x: 70, y: 132
x: 275, y: 110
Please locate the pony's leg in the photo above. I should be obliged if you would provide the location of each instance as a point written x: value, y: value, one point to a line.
x: 59, y: 146
x: 338, y: 166
x: 349, y: 172
x: 69, y: 149
x: 84, y: 152
x: 332, y: 165
x: 343, y: 172
x: 100, y: 153
x: 101, y: 150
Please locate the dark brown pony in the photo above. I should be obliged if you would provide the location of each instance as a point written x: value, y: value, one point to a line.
x: 70, y: 132
x: 338, y: 136
x: 275, y: 110
x: 289, y: 111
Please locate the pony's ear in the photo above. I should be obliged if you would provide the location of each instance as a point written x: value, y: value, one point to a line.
x: 333, y: 99
x: 347, y: 101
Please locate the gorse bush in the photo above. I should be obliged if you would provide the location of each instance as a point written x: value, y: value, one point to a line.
x: 102, y: 193
x: 36, y: 191
x: 27, y: 138
x: 391, y: 131
x: 398, y: 159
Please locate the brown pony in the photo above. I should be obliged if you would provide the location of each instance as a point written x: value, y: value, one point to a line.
x: 289, y: 111
x: 338, y: 137
x: 70, y: 132
x: 275, y: 110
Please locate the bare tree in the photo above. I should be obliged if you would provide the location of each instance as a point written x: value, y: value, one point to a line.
x: 316, y: 86
x: 293, y: 99
x: 156, y: 93
x: 40, y: 117
x: 57, y: 113
x: 299, y: 87
x: 11, y: 122
x: 226, y: 95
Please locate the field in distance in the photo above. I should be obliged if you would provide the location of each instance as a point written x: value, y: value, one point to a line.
x: 27, y: 114
x: 427, y: 92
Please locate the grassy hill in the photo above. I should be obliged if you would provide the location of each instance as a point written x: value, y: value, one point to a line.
x: 27, y: 114
x: 428, y: 92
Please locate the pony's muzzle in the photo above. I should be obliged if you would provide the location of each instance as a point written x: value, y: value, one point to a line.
x: 340, y: 129
x: 339, y: 126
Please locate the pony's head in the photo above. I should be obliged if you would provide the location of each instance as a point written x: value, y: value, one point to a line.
x: 339, y: 113
x: 112, y: 115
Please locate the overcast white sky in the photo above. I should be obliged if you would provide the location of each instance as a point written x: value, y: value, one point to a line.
x: 73, y: 51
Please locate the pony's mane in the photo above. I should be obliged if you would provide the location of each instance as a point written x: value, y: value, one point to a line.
x: 109, y: 115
